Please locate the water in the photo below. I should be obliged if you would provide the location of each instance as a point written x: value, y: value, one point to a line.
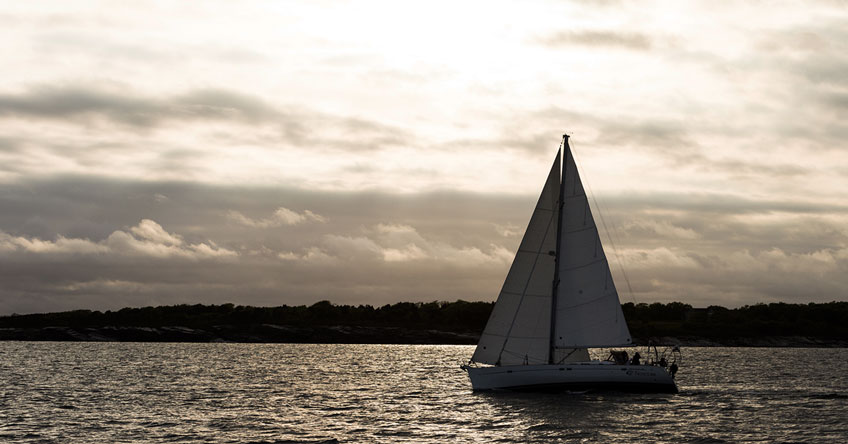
x: 295, y: 393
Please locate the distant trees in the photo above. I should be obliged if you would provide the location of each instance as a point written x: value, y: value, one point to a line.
x: 675, y: 319
x: 673, y: 311
x: 818, y: 320
x: 459, y: 316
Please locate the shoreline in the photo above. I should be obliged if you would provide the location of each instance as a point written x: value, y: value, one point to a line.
x: 272, y: 333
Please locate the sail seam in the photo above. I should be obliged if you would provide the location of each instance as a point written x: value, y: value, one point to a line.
x: 589, y: 302
x: 525, y: 294
x: 514, y: 337
x: 526, y: 337
x: 584, y: 265
x: 519, y: 355
x: 538, y: 253
x: 620, y: 344
x: 605, y: 320
x: 581, y: 229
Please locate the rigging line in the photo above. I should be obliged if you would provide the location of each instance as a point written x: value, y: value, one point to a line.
x: 618, y: 257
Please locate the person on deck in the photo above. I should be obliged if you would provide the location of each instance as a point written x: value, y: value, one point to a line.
x: 636, y: 358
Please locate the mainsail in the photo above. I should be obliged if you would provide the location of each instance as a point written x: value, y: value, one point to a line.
x: 588, y: 312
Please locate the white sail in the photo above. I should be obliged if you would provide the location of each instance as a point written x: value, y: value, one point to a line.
x: 518, y: 330
x: 588, y: 311
x: 558, y: 301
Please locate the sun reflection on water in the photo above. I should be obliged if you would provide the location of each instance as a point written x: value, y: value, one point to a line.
x: 131, y: 392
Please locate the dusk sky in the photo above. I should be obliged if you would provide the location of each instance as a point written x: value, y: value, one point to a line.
x: 269, y: 153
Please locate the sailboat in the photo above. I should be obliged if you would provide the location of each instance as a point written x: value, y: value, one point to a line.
x: 558, y: 301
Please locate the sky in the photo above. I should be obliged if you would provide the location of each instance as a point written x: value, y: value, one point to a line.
x: 372, y: 152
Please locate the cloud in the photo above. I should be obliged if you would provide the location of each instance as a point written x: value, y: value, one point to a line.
x: 669, y: 135
x: 509, y: 230
x: 151, y: 231
x: 716, y: 148
x: 119, y: 106
x: 637, y: 259
x: 59, y: 248
x: 282, y: 216
x: 147, y: 239
x: 645, y: 227
x: 725, y: 204
x: 61, y: 245
x: 292, y: 125
x: 311, y: 255
x: 401, y: 243
x: 720, y: 277
x: 624, y: 40
x: 397, y: 243
x: 222, y: 104
x: 9, y: 145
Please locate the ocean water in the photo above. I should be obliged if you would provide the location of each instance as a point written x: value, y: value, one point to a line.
x: 296, y: 393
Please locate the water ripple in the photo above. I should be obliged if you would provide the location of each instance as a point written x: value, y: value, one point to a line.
x: 313, y: 394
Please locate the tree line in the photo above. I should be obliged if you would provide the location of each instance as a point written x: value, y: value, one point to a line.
x: 817, y: 320
x: 449, y: 316
x: 675, y: 319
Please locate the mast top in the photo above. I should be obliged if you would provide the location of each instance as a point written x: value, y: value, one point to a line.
x: 565, y: 136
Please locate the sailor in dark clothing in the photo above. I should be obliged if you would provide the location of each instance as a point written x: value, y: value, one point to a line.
x: 673, y: 369
x: 636, y: 358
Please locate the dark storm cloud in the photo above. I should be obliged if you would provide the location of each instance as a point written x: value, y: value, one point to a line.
x: 225, y: 105
x: 295, y: 125
x: 536, y: 132
x: 541, y: 143
x: 803, y: 68
x: 668, y: 135
x: 73, y: 239
x: 837, y: 100
x: 9, y: 145
x: 70, y: 102
x: 672, y: 139
x: 674, y: 142
x: 77, y: 242
x: 727, y: 204
x: 110, y: 203
x: 817, y: 62
x: 816, y: 53
x: 824, y: 70
x: 740, y: 169
x: 609, y: 39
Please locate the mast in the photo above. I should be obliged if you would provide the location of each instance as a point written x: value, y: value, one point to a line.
x: 560, y: 205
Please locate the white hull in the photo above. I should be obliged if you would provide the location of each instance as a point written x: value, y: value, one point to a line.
x: 595, y: 375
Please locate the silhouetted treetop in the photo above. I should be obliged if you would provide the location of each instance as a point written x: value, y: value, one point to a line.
x: 674, y: 319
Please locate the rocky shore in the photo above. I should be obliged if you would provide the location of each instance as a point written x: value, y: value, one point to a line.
x: 271, y: 333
